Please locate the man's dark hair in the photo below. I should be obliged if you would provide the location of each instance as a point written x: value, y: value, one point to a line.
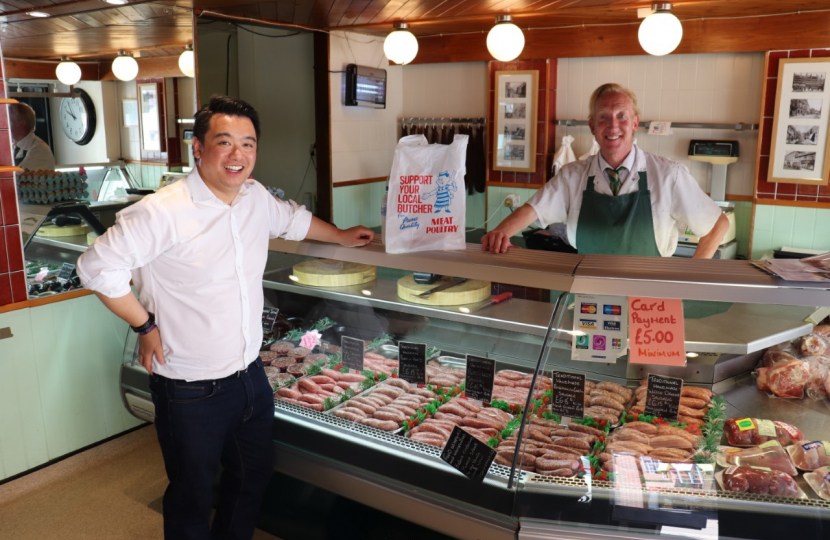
x: 223, y: 105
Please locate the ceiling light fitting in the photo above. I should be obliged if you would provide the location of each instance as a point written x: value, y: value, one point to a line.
x: 116, y: 2
x: 660, y: 33
x: 505, y: 40
x: 124, y: 66
x: 400, y: 46
x: 187, y: 61
x: 68, y: 72
x: 37, y: 14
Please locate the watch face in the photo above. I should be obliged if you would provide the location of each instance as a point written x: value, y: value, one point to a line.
x: 77, y: 116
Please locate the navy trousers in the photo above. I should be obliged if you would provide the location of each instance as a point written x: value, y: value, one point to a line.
x: 201, y: 425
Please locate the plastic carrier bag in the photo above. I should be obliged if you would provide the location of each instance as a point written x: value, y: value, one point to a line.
x: 426, y: 203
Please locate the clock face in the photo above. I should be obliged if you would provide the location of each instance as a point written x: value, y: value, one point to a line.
x: 77, y: 116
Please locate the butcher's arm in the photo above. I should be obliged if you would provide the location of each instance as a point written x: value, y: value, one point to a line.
x: 351, y: 237
x: 129, y: 309
x: 498, y: 240
x: 708, y: 245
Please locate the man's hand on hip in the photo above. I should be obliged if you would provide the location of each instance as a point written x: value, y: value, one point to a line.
x: 149, y: 345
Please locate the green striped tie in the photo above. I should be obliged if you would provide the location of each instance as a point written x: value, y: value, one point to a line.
x: 614, y: 176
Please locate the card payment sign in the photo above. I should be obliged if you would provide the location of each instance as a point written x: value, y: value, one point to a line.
x: 588, y: 308
x: 611, y: 310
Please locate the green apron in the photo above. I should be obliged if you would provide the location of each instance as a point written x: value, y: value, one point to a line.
x: 620, y: 225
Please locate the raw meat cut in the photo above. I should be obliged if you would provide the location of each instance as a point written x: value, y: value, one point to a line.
x: 810, y: 455
x: 754, y: 431
x: 770, y: 455
x: 750, y: 480
x: 787, y: 379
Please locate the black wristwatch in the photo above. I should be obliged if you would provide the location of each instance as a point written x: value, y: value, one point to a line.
x: 147, y: 327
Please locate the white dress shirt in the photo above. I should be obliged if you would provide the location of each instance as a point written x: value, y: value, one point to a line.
x: 197, y: 264
x: 39, y: 156
x: 676, y: 197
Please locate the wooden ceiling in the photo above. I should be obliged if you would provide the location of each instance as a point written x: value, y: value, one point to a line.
x: 448, y: 30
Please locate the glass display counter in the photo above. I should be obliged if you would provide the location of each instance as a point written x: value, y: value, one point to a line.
x: 369, y: 435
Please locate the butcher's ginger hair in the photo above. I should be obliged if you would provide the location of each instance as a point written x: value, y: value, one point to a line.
x: 612, y: 88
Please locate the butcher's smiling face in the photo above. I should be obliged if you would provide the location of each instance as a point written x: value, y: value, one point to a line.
x: 227, y: 155
x: 613, y: 125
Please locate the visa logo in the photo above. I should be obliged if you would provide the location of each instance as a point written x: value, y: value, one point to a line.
x: 611, y: 310
x: 614, y: 326
x: 589, y: 308
x: 590, y: 324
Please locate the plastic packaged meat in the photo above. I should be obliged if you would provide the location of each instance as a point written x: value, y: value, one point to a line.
x: 763, y: 482
x: 819, y: 480
x: 815, y: 344
x: 755, y: 431
x: 818, y: 385
x: 810, y: 455
x: 770, y: 455
x: 778, y: 354
x: 786, y: 380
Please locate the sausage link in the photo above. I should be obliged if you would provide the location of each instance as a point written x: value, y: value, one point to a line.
x: 607, y: 402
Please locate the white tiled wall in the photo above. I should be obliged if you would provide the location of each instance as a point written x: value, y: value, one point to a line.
x: 778, y: 226
x: 363, y: 139
x: 445, y: 90
x: 714, y: 88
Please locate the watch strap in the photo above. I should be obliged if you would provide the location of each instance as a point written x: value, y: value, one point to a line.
x: 146, y: 327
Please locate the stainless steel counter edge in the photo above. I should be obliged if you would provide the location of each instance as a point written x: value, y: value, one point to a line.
x: 689, y: 279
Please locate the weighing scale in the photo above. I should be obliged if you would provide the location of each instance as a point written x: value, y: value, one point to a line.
x: 719, y: 154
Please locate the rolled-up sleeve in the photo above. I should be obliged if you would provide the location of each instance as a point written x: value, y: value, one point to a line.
x: 141, y: 232
x: 551, y: 202
x: 289, y: 220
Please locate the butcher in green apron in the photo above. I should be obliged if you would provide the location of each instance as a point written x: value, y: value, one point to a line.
x: 622, y: 201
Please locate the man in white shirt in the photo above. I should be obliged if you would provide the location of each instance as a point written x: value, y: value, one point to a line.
x: 623, y: 201
x: 36, y: 154
x: 196, y: 252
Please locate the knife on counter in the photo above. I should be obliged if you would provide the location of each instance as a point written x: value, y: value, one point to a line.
x: 442, y: 287
x: 494, y: 300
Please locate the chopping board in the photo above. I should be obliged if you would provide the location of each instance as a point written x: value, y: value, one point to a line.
x: 330, y: 273
x: 53, y: 231
x: 469, y: 292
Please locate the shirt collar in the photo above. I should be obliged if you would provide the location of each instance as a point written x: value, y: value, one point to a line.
x: 200, y: 192
x: 28, y: 142
x: 628, y: 162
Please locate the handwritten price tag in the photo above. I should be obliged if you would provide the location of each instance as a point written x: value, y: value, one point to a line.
x: 656, y: 334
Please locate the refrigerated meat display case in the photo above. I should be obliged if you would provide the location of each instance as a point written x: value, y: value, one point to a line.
x: 732, y: 313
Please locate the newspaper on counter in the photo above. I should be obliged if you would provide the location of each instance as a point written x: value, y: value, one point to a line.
x: 815, y: 268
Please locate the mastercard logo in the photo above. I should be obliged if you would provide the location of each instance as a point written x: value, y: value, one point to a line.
x: 589, y: 308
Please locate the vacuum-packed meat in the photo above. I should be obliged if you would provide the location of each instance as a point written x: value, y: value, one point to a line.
x: 810, y: 455
x: 770, y: 455
x: 786, y: 380
x: 760, y: 481
x: 754, y: 431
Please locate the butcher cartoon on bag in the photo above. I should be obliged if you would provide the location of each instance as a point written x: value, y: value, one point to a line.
x: 443, y: 193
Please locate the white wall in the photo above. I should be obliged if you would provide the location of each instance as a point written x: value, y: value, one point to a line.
x: 212, y: 57
x: 363, y: 139
x: 105, y: 143
x: 277, y: 78
x: 714, y: 88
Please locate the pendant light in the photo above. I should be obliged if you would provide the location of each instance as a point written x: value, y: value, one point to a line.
x: 505, y: 40
x: 400, y: 46
x: 68, y: 72
x: 187, y: 61
x: 660, y: 33
x: 125, y: 67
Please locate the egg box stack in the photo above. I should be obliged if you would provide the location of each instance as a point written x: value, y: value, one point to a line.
x: 41, y: 187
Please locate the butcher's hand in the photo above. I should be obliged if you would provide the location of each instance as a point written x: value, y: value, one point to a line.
x: 355, y: 236
x: 149, y: 345
x: 495, y: 241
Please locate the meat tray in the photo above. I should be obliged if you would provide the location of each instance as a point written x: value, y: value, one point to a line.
x: 814, y: 481
x: 719, y: 480
x: 720, y: 457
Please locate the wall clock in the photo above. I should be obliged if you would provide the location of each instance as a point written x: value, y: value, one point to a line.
x: 77, y: 116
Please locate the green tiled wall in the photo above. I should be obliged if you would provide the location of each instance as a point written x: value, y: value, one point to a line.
x: 360, y: 205
x: 777, y: 226
x: 743, y: 226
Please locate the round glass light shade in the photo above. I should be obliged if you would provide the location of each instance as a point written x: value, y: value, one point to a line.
x: 505, y: 41
x: 400, y: 46
x: 68, y: 72
x: 186, y: 63
x: 125, y: 68
x: 660, y: 33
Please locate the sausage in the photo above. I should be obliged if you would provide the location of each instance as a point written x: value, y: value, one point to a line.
x: 429, y: 438
x: 607, y: 402
x: 501, y: 381
x: 433, y: 428
x: 454, y: 408
x: 551, y: 464
x: 501, y: 460
x: 508, y: 453
x: 610, y: 395
x: 614, y: 387
x: 331, y: 374
x: 629, y: 446
x: 586, y: 429
x: 349, y: 414
x: 563, y: 449
x: 365, y: 407
x: 406, y: 409
x: 695, y: 392
x: 455, y: 419
x: 479, y: 422
x: 637, y: 409
x: 307, y: 385
x: 645, y: 427
x: 591, y: 439
x: 385, y: 399
x: 538, y: 435
x: 599, y: 416
x: 671, y: 452
x: 469, y: 405
x: 352, y: 377
x: 552, y: 454
x: 607, y: 411
x: 498, y: 414
x: 670, y: 441
x: 629, y: 434
x: 322, y: 379
x: 694, y: 413
x: 565, y: 472
x: 392, y: 415
x: 385, y: 425
x: 693, y: 403
x: 573, y: 442
x: 390, y: 391
x: 311, y: 398
x: 690, y: 420
x: 289, y: 393
x: 511, y: 375
x: 665, y: 429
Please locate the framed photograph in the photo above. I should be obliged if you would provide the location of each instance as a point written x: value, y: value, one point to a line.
x: 800, y: 150
x: 129, y: 111
x: 514, y: 140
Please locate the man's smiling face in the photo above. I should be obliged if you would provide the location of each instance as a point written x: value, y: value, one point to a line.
x: 613, y: 125
x: 227, y: 155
